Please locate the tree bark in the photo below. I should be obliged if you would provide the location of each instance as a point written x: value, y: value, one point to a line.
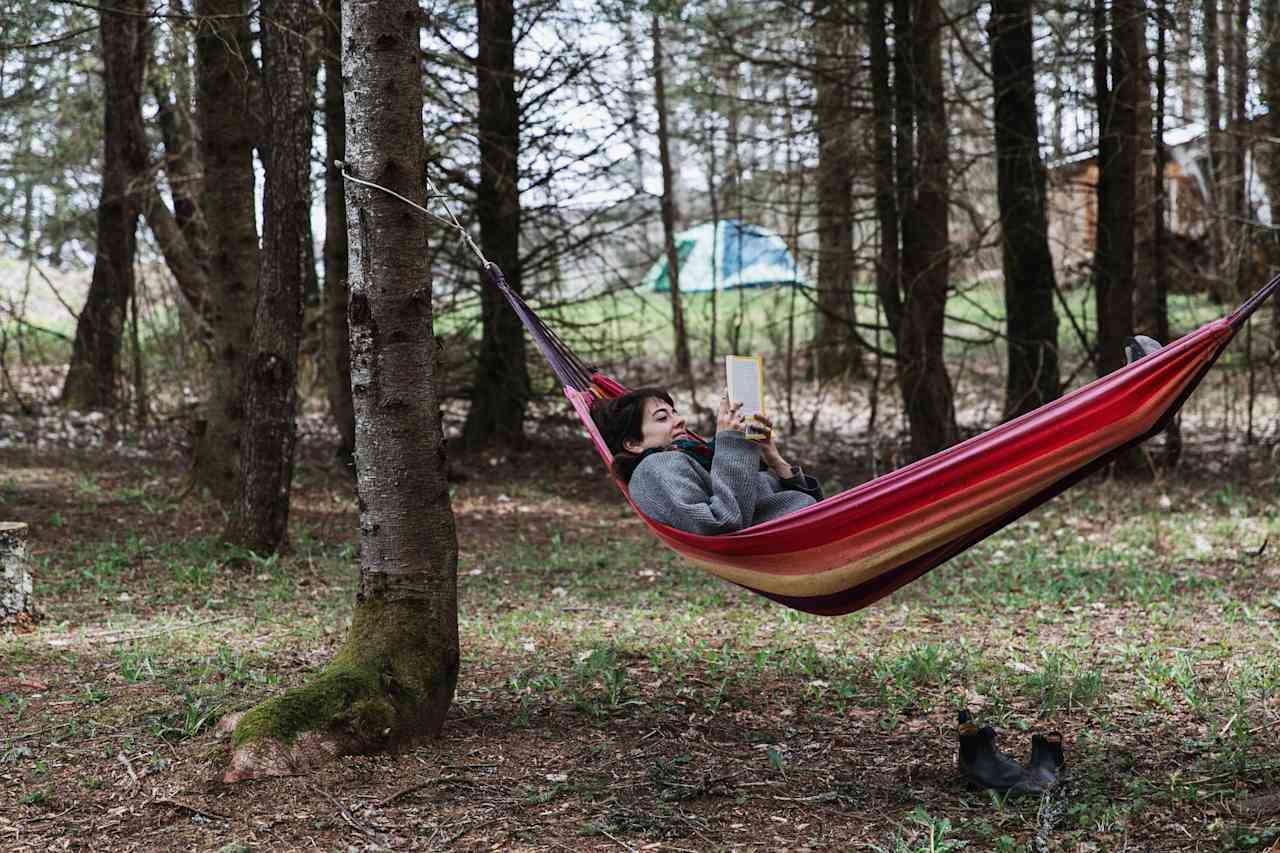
x: 888, y: 270
x: 393, y: 679
x: 500, y: 390
x: 684, y: 364
x: 1145, y: 308
x: 1238, y: 228
x: 91, y: 375
x: 1032, y: 321
x: 1117, y: 159
x: 259, y: 521
x: 336, y: 284
x: 181, y: 164
x: 835, y: 346
x: 223, y: 98
x: 922, y: 371
x: 1270, y: 159
x: 1218, y: 234
x: 1159, y: 328
x: 17, y: 608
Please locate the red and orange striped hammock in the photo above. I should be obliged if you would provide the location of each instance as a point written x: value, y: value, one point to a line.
x: 851, y: 550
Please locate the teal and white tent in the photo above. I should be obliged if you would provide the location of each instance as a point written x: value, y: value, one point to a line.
x: 726, y: 256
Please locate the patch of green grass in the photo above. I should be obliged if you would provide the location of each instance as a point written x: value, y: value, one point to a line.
x: 1062, y: 684
x: 922, y: 833
x: 191, y: 715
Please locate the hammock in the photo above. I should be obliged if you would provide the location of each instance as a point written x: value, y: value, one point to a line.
x: 850, y: 550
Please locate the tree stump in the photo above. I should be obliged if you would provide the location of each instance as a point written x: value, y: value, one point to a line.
x: 16, y: 607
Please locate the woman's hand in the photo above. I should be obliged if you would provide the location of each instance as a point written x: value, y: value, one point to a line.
x: 762, y: 433
x: 728, y: 416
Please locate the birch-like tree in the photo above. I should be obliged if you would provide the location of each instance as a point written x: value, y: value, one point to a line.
x: 393, y: 679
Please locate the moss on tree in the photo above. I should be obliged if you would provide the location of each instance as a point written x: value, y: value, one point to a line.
x: 389, y: 684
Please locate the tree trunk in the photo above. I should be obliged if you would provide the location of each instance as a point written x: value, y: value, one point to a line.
x: 835, y: 346
x: 1117, y: 111
x: 1159, y: 319
x: 179, y: 233
x: 393, y: 679
x: 684, y: 365
x: 1144, y: 308
x: 223, y: 97
x: 1032, y: 321
x: 1270, y: 154
x: 259, y: 521
x: 17, y: 609
x: 500, y: 391
x: 1218, y: 235
x: 336, y: 286
x: 1238, y: 227
x: 888, y: 272
x: 95, y: 356
x: 922, y: 371
x: 181, y: 162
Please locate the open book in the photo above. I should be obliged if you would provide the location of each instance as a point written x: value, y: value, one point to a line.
x: 744, y: 377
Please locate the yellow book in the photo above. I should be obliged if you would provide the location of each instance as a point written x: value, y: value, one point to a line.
x: 744, y: 377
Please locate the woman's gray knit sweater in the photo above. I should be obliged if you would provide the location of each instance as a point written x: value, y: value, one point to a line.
x: 672, y: 488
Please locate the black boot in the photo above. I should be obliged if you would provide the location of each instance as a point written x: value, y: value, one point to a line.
x: 1043, y: 767
x: 980, y: 761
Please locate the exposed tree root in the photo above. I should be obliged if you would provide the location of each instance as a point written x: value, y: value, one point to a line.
x: 388, y: 685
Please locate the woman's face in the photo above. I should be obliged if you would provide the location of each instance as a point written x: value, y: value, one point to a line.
x: 662, y: 425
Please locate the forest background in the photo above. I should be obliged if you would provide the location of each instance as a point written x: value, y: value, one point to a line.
x: 987, y: 198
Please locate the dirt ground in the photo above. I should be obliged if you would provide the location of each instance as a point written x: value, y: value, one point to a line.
x: 614, y: 699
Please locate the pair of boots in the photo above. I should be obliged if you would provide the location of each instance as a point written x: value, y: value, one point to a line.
x: 981, y: 762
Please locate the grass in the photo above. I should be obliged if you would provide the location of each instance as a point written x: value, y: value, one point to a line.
x: 613, y: 696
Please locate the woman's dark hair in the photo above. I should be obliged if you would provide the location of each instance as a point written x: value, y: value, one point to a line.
x: 622, y: 419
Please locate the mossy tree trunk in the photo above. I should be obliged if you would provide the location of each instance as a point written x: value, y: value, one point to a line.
x: 259, y: 520
x: 224, y: 89
x: 393, y: 679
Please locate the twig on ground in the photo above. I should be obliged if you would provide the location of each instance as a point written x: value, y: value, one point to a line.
x: 391, y: 798
x: 164, y: 801
x: 347, y: 816
x: 466, y: 829
x: 38, y: 818
x: 827, y: 797
x: 164, y: 631
x: 25, y: 735
x: 619, y: 842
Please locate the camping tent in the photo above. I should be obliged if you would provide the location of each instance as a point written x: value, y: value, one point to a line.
x: 727, y: 255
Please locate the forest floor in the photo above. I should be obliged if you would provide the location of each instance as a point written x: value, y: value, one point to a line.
x: 614, y: 698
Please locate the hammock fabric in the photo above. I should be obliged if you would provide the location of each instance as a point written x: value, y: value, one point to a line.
x: 851, y: 550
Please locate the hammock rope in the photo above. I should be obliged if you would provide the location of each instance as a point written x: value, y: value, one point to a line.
x: 854, y: 548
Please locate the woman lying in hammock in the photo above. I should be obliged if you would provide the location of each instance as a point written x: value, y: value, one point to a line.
x: 718, y: 487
